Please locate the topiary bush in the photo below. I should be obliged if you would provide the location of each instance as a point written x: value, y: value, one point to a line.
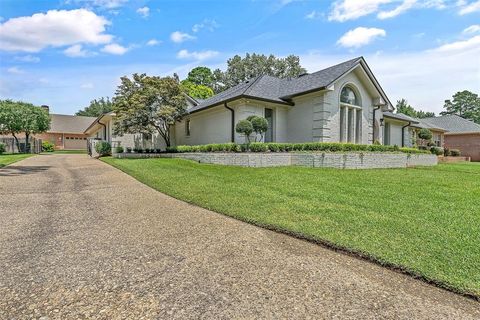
x: 119, y: 149
x: 103, y: 148
x: 436, y: 150
x: 244, y: 127
x: 2, y: 148
x: 47, y: 146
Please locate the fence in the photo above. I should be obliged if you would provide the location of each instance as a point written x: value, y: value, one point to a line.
x: 12, y: 147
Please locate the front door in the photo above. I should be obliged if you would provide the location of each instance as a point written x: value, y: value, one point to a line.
x: 269, y: 117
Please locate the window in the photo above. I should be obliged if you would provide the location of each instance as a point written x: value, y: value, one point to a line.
x: 386, y: 133
x: 146, y: 136
x: 350, y: 116
x: 269, y: 118
x: 187, y: 127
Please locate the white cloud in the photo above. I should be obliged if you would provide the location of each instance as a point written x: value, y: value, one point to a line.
x: 360, y: 36
x: 114, y: 48
x: 153, y: 42
x: 469, y: 8
x: 75, y: 51
x: 208, y: 24
x: 27, y: 58
x: 15, y: 70
x: 87, y: 85
x: 196, y: 55
x: 55, y: 28
x: 406, y: 5
x: 344, y: 10
x: 472, y: 29
x: 313, y: 15
x: 179, y: 37
x: 144, y: 11
x: 461, y: 45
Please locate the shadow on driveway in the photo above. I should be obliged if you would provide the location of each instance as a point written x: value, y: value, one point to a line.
x: 10, y: 171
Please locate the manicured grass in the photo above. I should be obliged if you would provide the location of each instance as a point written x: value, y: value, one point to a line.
x: 6, y: 159
x: 67, y: 152
x: 424, y: 220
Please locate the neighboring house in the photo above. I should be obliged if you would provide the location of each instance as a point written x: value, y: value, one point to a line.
x: 461, y: 134
x: 66, y: 132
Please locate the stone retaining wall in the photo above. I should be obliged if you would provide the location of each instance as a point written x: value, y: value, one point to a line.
x: 350, y: 160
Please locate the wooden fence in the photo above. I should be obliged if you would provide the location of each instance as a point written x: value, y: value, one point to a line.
x: 11, y: 145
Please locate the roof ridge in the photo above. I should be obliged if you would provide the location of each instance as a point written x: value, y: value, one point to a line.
x: 255, y: 80
x: 338, y: 64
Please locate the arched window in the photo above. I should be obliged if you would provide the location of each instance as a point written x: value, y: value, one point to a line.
x: 350, y: 116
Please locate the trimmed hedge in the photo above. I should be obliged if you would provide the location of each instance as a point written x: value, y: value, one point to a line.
x: 288, y: 147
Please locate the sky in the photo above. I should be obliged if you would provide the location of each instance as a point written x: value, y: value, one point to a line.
x: 65, y: 53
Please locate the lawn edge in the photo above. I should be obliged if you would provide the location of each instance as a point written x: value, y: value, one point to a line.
x: 8, y: 164
x: 328, y: 245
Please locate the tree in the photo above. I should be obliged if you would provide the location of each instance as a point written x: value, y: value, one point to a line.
x: 252, y: 65
x: 465, y: 104
x: 260, y: 126
x: 425, y: 135
x: 146, y: 104
x: 96, y: 108
x: 244, y: 127
x: 19, y: 117
x: 406, y: 109
x: 201, y: 76
x: 196, y: 91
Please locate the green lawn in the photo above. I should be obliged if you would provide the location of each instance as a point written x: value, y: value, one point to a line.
x: 6, y: 159
x: 424, y: 220
x: 67, y: 152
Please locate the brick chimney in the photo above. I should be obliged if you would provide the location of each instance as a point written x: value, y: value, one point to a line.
x: 46, y: 108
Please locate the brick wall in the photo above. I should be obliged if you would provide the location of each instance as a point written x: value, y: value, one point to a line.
x: 316, y: 160
x: 468, y: 144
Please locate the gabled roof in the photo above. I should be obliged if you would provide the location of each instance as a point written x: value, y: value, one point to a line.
x: 276, y: 90
x: 454, y: 124
x: 62, y: 123
x: 401, y: 117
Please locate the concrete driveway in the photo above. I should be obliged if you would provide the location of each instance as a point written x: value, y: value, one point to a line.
x: 80, y: 239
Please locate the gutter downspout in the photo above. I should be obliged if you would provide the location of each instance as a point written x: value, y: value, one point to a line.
x: 104, y: 130
x: 403, y: 133
x: 373, y: 126
x: 233, y: 122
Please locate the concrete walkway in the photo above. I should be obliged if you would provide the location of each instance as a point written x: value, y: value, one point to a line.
x: 80, y: 239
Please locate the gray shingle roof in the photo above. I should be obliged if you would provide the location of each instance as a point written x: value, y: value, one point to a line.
x: 279, y: 90
x: 454, y: 124
x: 400, y: 116
x: 70, y: 124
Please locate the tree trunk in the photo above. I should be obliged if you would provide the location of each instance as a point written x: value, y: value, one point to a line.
x: 27, y: 144
x: 17, y: 142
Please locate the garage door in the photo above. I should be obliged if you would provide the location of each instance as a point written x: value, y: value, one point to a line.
x: 72, y: 143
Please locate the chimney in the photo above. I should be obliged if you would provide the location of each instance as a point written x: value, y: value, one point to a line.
x: 46, y: 108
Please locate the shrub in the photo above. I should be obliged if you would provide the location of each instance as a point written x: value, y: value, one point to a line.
x: 139, y: 150
x: 446, y: 152
x: 129, y: 149
x: 258, y: 147
x: 158, y: 150
x: 412, y: 150
x: 119, y: 149
x: 2, y: 148
x: 244, y: 127
x: 425, y: 134
x: 47, y: 146
x: 103, y: 148
x: 455, y: 153
x: 436, y: 150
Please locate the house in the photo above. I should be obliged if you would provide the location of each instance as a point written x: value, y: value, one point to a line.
x: 461, y: 134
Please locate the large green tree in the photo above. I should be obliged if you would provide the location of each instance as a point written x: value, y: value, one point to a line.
x: 404, y: 108
x: 465, y: 104
x: 96, y: 108
x: 145, y: 104
x: 201, y: 76
x: 252, y: 65
x: 197, y: 91
x: 19, y: 117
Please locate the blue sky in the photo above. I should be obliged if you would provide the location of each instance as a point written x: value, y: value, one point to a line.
x: 64, y: 53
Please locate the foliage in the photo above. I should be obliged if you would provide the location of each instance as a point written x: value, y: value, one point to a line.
x: 119, y: 149
x: 252, y: 65
x: 406, y: 109
x: 425, y: 134
x: 2, y: 148
x: 196, y: 91
x: 103, y: 148
x: 47, y: 146
x: 288, y: 147
x: 260, y: 126
x: 21, y: 117
x: 465, y: 104
x: 97, y: 108
x: 337, y: 206
x: 129, y: 150
x: 455, y: 153
x: 146, y: 104
x: 436, y: 150
x: 201, y: 76
x: 244, y: 127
